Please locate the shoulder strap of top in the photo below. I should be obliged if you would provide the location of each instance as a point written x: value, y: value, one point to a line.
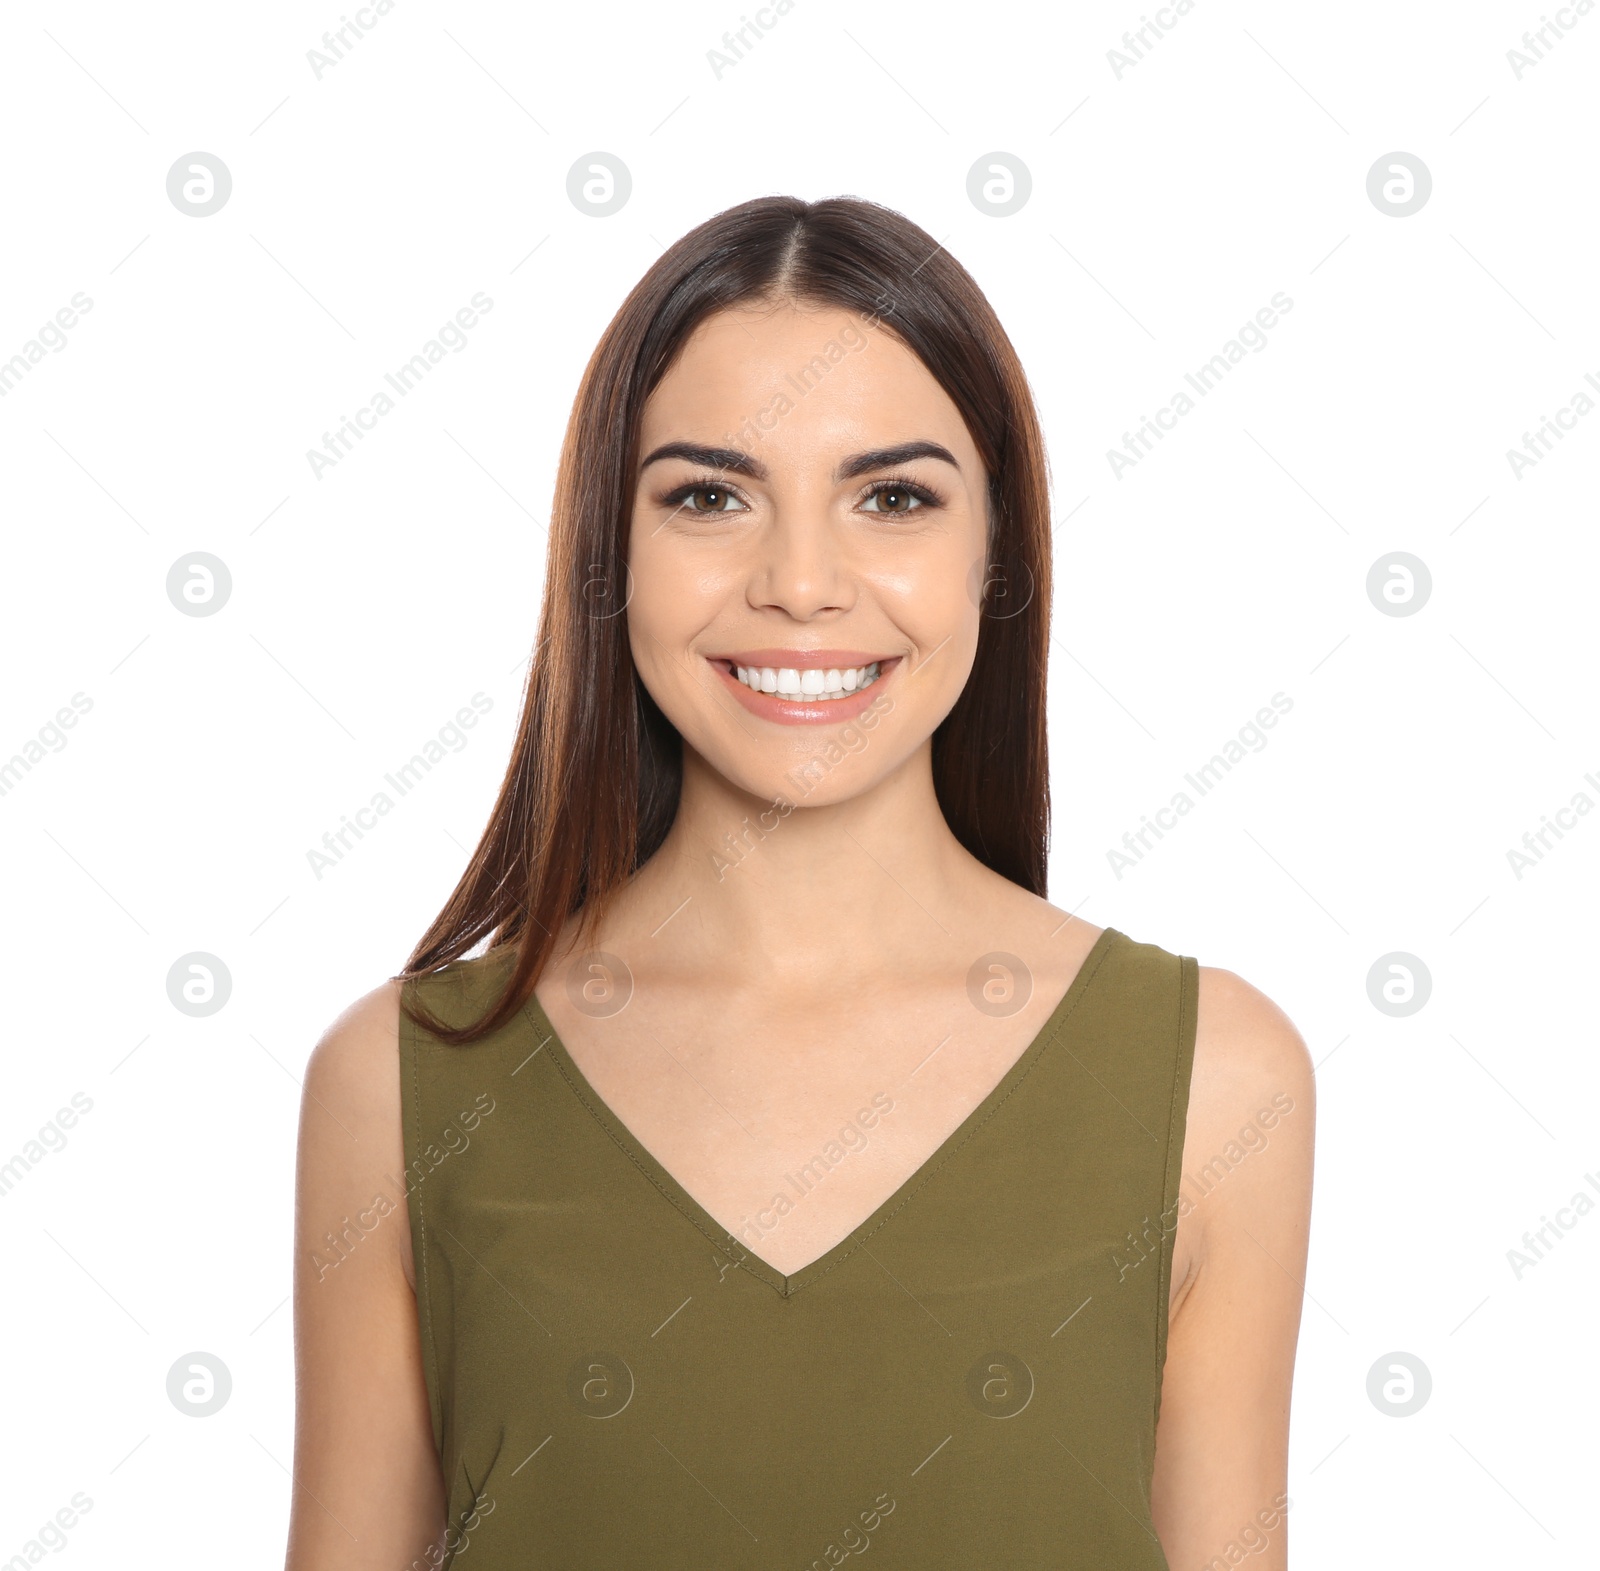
x: 1188, y: 991
x: 445, y: 1094
x: 1145, y: 1004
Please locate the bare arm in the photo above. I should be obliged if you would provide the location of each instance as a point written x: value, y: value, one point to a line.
x: 1222, y: 1445
x: 367, y: 1487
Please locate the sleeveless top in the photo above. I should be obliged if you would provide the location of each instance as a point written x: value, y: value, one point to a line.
x: 971, y: 1378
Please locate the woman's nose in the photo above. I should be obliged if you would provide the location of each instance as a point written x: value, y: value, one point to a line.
x: 800, y: 566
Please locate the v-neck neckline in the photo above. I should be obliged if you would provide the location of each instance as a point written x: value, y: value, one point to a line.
x: 787, y: 1284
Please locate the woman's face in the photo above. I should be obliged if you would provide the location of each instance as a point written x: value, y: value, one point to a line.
x: 806, y: 551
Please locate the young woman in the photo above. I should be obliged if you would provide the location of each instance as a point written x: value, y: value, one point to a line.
x: 787, y: 1179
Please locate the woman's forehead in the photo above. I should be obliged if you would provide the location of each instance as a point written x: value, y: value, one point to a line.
x: 820, y: 377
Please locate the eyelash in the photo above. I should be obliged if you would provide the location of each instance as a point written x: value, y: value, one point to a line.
x: 925, y: 496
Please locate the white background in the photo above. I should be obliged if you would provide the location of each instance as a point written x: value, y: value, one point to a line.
x: 369, y: 605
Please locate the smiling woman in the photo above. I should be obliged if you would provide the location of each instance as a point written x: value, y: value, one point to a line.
x: 631, y: 1326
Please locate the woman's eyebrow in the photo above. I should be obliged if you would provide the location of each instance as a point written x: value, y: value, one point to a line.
x: 888, y: 457
x: 725, y: 458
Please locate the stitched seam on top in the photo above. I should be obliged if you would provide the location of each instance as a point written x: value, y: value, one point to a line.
x: 1164, y: 1277
x: 601, y: 1118
x: 939, y: 1161
x: 411, y: 1029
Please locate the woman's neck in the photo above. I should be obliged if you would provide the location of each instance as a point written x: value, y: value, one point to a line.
x: 794, y: 890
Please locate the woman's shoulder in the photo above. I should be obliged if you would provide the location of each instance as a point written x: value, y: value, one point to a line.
x: 352, y: 1079
x: 352, y: 1071
x: 355, y: 1063
x: 1250, y: 1127
x: 1245, y: 1046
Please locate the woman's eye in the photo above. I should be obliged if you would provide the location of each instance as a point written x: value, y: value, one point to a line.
x: 710, y: 499
x: 892, y: 499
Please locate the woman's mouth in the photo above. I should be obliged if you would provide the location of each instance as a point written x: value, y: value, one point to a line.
x: 808, y: 684
x: 799, y: 686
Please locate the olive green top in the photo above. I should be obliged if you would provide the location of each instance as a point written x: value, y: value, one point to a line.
x: 970, y: 1379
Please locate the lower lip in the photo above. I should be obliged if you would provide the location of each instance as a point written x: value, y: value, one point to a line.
x: 832, y: 711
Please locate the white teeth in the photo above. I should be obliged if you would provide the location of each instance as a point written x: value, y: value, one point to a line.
x: 814, y: 685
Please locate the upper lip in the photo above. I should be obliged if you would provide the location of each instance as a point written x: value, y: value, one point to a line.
x: 803, y: 659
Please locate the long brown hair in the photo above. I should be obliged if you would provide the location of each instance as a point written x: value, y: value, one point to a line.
x: 592, y: 786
